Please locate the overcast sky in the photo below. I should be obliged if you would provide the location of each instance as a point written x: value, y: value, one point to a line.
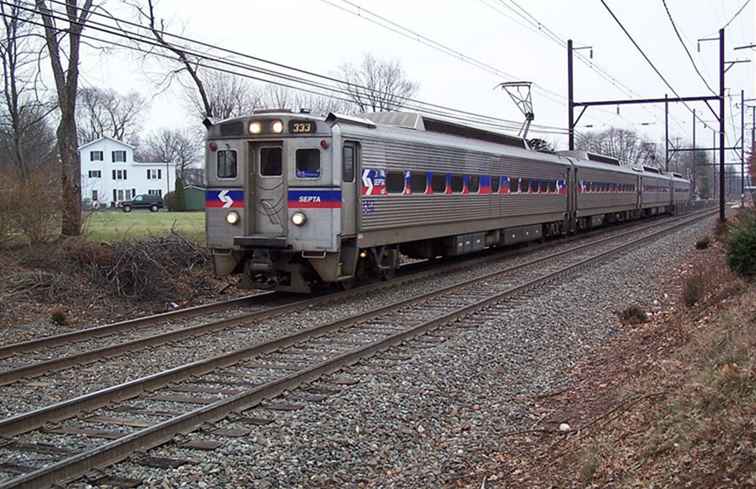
x: 319, y: 37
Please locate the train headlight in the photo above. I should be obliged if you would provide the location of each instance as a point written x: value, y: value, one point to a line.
x: 255, y: 128
x: 277, y: 127
x: 298, y: 218
x: 232, y: 218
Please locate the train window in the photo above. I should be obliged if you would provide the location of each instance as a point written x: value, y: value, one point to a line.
x: 418, y: 181
x: 552, y: 186
x: 473, y: 183
x: 308, y: 163
x: 226, y: 163
x: 457, y: 184
x: 270, y: 162
x: 495, y: 181
x: 347, y: 172
x: 394, y: 182
x: 524, y: 185
x: 438, y: 183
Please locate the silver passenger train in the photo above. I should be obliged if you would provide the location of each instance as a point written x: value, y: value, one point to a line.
x: 295, y: 201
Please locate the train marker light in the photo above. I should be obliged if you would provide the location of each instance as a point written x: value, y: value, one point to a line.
x: 255, y: 128
x: 324, y: 144
x: 213, y: 147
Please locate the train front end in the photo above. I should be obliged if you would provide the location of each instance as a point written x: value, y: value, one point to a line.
x: 272, y: 201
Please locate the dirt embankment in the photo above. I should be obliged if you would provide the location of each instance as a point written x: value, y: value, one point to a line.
x: 670, y: 403
x: 84, y: 282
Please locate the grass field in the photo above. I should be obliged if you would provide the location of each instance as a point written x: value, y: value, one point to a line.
x: 116, y: 225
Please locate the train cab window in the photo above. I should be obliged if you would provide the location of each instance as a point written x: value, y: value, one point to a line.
x: 524, y: 185
x: 270, y: 162
x: 227, y: 167
x: 308, y: 163
x: 457, y: 184
x: 394, y: 182
x: 495, y: 181
x: 473, y: 183
x: 418, y: 181
x: 347, y: 172
x: 438, y: 183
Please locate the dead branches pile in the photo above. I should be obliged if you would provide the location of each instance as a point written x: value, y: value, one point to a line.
x: 147, y: 269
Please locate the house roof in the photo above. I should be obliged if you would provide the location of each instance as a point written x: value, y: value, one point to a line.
x: 103, y: 138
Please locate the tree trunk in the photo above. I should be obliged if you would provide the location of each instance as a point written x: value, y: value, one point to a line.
x: 70, y: 174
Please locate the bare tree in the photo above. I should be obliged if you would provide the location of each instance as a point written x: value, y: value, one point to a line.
x: 171, y: 145
x: 22, y: 114
x: 277, y: 97
x: 627, y: 146
x: 67, y: 86
x: 227, y: 95
x: 103, y: 112
x: 377, y: 85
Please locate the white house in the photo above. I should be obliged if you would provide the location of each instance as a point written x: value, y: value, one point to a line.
x: 109, y: 174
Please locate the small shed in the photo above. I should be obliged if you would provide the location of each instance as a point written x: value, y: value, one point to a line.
x: 194, y: 198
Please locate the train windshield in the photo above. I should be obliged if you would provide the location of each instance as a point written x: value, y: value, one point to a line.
x: 308, y: 163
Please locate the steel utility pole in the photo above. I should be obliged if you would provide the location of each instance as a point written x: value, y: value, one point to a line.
x: 721, y: 125
x: 570, y: 98
x: 694, y: 151
x: 666, y: 132
x: 742, y: 151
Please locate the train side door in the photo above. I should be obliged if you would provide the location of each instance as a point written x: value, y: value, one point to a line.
x: 267, y: 192
x: 349, y: 165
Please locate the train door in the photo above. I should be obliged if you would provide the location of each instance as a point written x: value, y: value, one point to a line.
x: 267, y: 189
x: 349, y: 198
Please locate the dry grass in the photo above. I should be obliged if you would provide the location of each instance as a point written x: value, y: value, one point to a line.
x: 633, y: 315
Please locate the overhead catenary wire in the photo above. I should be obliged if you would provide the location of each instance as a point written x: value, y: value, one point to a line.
x: 687, y: 51
x: 531, y: 22
x: 211, y: 63
x: 735, y: 16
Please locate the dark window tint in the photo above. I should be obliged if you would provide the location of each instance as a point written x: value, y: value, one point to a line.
x: 270, y: 162
x: 308, y: 163
x: 495, y: 181
x: 418, y: 181
x: 438, y: 183
x: 552, y: 186
x: 457, y: 183
x: 473, y: 183
x: 347, y: 171
x: 226, y: 164
x: 394, y: 182
x: 524, y: 185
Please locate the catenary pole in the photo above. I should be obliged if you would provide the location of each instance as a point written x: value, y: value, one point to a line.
x: 722, y: 217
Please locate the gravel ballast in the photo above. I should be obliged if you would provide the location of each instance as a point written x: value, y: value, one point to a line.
x: 421, y: 422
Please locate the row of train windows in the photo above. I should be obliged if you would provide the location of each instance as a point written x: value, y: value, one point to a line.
x: 656, y: 188
x: 606, y: 187
x: 307, y: 163
x: 418, y: 182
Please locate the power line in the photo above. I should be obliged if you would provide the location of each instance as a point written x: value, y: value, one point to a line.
x: 408, y: 33
x: 690, y: 57
x: 209, y: 62
x: 736, y: 14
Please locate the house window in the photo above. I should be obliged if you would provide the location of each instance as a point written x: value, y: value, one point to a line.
x: 119, y: 156
x: 160, y: 174
x: 95, y: 174
x: 96, y: 156
x: 120, y: 195
x: 119, y: 175
x: 154, y: 192
x: 114, y: 195
x: 154, y: 174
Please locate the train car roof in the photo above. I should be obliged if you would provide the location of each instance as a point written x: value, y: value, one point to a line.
x: 419, y: 128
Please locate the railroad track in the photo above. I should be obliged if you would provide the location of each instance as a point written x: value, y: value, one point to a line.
x: 43, y: 356
x: 148, y: 412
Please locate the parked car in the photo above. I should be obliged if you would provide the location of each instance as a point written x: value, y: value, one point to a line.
x: 145, y: 201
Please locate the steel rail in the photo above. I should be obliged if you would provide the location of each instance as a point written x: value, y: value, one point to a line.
x: 65, y: 409
x: 53, y: 365
x: 108, y: 329
x: 163, y: 432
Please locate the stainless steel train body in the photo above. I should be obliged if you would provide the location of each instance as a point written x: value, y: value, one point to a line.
x: 294, y: 200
